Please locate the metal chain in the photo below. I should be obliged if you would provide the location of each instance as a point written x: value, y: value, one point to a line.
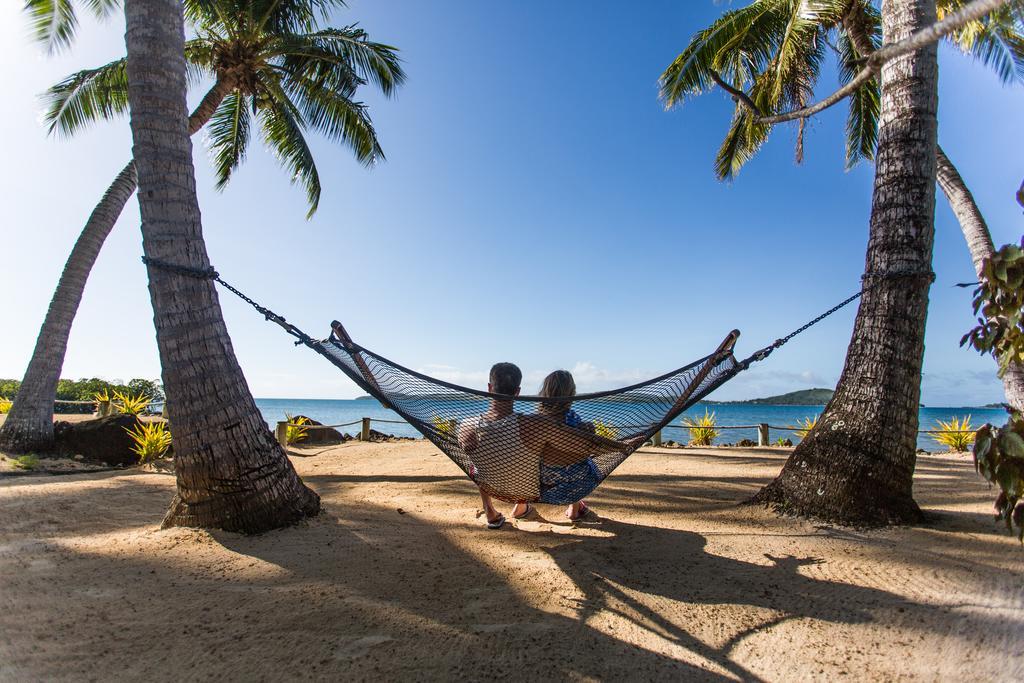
x: 209, y: 273
x: 767, y: 351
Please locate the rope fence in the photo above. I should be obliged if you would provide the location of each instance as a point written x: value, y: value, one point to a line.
x: 763, y: 429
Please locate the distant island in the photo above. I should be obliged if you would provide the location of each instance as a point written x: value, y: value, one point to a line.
x: 363, y: 397
x: 804, y: 397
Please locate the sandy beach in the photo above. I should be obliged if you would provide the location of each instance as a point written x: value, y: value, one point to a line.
x: 398, y: 578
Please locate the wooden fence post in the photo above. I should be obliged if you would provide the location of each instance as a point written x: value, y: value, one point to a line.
x: 364, y: 433
x: 282, y: 435
x: 657, y: 438
x: 762, y: 434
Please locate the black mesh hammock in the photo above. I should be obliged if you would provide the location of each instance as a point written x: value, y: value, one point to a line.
x: 524, y: 448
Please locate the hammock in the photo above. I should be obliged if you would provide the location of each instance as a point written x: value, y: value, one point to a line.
x: 531, y: 454
x: 524, y: 448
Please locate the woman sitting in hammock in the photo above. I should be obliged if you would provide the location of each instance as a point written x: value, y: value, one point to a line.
x: 565, y: 479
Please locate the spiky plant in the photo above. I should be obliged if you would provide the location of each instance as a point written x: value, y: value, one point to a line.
x: 605, y: 430
x: 803, y: 427
x: 295, y: 432
x: 956, y: 434
x: 151, y: 440
x: 130, y: 404
x: 703, y: 429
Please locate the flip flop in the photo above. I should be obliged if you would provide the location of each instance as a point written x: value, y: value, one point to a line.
x: 585, y: 511
x: 529, y: 509
x: 498, y: 523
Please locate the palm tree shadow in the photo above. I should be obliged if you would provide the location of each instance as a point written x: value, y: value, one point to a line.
x: 641, y: 571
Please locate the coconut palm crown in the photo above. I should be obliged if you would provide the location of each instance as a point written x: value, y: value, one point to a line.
x: 773, y: 50
x: 277, y: 67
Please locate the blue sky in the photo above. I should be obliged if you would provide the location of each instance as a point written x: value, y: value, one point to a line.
x: 537, y: 205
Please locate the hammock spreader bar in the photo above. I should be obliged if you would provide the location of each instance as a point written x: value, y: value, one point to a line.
x: 524, y: 448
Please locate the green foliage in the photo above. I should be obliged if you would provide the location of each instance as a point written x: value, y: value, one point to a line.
x: 130, y: 404
x: 446, y: 428
x: 295, y: 432
x: 287, y: 74
x: 152, y: 389
x: 773, y: 50
x: 605, y: 430
x: 5, y: 405
x: 999, y: 458
x: 783, y: 441
x: 9, y: 388
x: 703, y: 430
x: 956, y: 434
x: 804, y: 427
x: 27, y: 462
x: 999, y: 305
x: 151, y: 440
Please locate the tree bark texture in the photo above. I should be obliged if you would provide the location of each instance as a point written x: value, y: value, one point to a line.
x: 961, y: 201
x: 29, y: 425
x: 231, y: 473
x: 856, y: 467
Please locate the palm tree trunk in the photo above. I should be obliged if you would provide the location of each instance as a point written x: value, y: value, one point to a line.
x: 857, y: 465
x: 29, y: 424
x: 231, y: 472
x: 961, y: 201
x: 979, y: 242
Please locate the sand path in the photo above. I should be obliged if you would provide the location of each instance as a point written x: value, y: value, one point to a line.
x: 398, y: 579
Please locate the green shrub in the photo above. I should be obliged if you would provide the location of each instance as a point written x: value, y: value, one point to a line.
x: 956, y: 434
x: 605, y: 430
x: 445, y: 428
x: 27, y: 462
x: 151, y: 440
x: 783, y: 441
x: 703, y: 430
x: 295, y: 432
x: 999, y: 458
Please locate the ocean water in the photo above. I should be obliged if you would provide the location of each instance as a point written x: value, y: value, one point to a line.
x: 333, y: 412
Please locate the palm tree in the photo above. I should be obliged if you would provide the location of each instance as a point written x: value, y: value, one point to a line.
x: 268, y: 61
x: 769, y: 55
x: 857, y: 465
x: 231, y: 472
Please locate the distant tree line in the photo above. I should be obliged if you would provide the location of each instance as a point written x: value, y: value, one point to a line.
x: 86, y: 390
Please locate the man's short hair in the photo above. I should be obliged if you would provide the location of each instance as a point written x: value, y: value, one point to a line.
x: 505, y: 378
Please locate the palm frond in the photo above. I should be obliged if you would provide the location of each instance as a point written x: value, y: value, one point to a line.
x: 199, y: 60
x: 281, y: 127
x: 742, y: 142
x: 376, y: 62
x: 738, y: 43
x: 337, y: 117
x: 340, y: 59
x: 865, y: 107
x: 228, y: 135
x: 996, y: 41
x: 85, y: 97
x: 52, y: 22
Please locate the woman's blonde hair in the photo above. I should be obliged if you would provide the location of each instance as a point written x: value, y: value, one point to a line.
x: 556, y: 385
